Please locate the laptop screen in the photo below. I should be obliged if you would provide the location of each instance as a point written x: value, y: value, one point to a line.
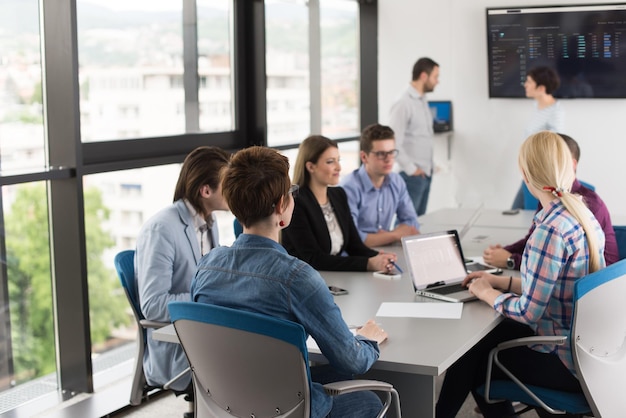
x: 433, y: 258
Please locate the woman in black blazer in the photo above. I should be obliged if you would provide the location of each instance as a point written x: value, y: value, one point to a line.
x: 322, y: 231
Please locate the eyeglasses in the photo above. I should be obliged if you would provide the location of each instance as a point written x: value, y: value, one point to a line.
x: 383, y: 155
x: 293, y: 190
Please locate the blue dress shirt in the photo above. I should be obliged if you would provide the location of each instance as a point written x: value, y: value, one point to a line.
x: 374, y: 209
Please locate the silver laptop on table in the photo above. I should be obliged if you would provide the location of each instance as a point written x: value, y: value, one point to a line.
x: 436, y: 265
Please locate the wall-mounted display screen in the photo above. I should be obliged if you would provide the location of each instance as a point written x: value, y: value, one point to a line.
x: 585, y: 44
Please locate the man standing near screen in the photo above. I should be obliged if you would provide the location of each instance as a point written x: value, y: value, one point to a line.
x: 412, y: 122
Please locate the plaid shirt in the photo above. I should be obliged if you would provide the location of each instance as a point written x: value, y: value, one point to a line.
x: 556, y: 254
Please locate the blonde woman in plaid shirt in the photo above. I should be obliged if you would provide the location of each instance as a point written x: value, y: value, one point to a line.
x: 567, y: 243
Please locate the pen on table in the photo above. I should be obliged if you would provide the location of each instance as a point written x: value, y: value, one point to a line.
x: 396, y: 266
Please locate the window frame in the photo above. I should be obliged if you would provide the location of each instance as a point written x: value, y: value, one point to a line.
x: 69, y: 160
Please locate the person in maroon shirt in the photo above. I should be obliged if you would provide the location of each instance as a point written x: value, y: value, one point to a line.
x: 510, y: 256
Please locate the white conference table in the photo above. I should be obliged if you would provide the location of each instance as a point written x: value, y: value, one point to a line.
x: 418, y: 349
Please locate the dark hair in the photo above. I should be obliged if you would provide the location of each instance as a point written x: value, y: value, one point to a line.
x: 253, y: 183
x: 423, y: 65
x: 310, y: 150
x: 545, y: 76
x: 572, y: 145
x: 374, y: 132
x: 201, y: 166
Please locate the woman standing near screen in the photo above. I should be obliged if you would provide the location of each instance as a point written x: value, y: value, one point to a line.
x: 548, y: 114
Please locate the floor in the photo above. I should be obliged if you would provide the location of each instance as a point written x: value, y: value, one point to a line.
x: 167, y: 405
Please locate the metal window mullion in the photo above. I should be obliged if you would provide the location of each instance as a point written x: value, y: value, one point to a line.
x: 190, y: 60
x: 368, y: 54
x: 65, y: 196
x: 315, y: 67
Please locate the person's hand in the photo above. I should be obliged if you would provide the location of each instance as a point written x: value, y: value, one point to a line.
x: 372, y: 331
x: 419, y: 172
x: 496, y: 256
x: 381, y: 262
x: 479, y: 283
x: 404, y: 230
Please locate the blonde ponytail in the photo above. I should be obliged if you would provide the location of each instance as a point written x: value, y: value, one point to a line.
x: 546, y: 162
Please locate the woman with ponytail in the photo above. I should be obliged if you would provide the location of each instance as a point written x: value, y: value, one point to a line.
x: 567, y: 243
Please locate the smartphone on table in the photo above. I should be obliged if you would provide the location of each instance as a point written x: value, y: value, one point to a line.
x: 336, y: 291
x: 391, y: 274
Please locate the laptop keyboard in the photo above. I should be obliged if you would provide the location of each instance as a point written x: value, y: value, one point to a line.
x: 446, y: 290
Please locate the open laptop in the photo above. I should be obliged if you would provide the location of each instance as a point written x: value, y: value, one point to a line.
x: 436, y: 265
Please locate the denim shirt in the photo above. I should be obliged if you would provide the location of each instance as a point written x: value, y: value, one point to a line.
x: 257, y: 274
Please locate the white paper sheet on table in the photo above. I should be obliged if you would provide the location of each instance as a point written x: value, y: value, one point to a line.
x: 421, y: 310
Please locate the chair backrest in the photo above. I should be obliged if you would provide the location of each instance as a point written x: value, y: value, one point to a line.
x: 243, y: 363
x: 237, y: 227
x: 125, y: 265
x: 598, y: 338
x: 620, y: 237
x: 530, y: 201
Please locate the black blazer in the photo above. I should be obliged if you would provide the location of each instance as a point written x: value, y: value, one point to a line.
x: 307, y: 236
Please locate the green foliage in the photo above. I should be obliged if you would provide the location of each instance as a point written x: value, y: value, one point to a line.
x: 30, y: 286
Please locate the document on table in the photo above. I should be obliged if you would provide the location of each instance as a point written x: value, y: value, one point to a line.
x: 421, y: 310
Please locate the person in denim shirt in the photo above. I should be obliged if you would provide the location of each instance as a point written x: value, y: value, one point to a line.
x: 257, y: 274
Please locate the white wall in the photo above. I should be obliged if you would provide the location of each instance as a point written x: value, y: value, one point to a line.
x: 488, y: 132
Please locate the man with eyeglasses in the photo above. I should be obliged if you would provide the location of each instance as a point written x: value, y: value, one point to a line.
x: 412, y: 121
x: 376, y: 194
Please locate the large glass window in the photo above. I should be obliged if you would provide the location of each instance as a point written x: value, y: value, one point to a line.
x: 339, y: 33
x: 116, y: 206
x: 132, y: 75
x: 130, y: 55
x: 147, y: 70
x: 215, y: 64
x: 287, y: 67
x: 29, y: 361
x: 21, y: 111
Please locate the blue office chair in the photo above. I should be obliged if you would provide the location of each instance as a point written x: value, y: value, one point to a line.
x: 125, y: 266
x: 237, y: 227
x: 531, y: 202
x: 620, y: 237
x: 599, y: 351
x: 247, y: 364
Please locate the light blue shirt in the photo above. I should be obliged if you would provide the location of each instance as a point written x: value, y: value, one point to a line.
x: 551, y: 118
x: 412, y: 123
x: 375, y: 209
x: 256, y: 274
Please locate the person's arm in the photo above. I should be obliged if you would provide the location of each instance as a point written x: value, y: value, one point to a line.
x: 315, y: 309
x: 382, y: 238
x: 398, y: 121
x: 542, y: 271
x: 601, y: 213
x: 517, y: 248
x: 155, y: 258
x: 405, y: 212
